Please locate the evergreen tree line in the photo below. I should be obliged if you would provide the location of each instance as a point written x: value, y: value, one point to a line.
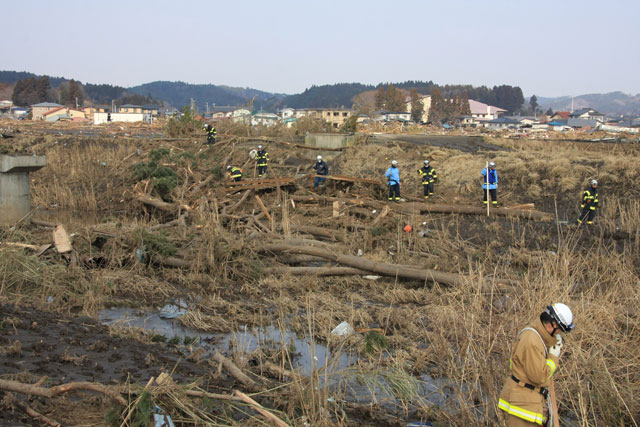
x: 33, y: 90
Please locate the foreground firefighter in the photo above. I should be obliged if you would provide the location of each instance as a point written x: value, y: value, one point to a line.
x: 490, y: 184
x: 235, y: 173
x: 262, y: 160
x: 211, y: 133
x: 393, y: 179
x: 534, y: 359
x: 429, y: 177
x: 321, y: 168
x: 589, y: 203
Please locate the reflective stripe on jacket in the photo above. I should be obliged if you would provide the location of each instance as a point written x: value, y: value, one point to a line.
x: 590, y: 197
x: 531, y: 364
x: 428, y: 174
x: 262, y: 158
x: 493, y: 179
x: 235, y: 172
x: 393, y: 176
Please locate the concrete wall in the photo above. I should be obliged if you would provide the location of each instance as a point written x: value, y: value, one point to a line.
x: 330, y: 140
x: 15, y: 201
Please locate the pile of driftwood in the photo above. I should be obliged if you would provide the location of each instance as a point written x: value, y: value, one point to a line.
x: 128, y: 396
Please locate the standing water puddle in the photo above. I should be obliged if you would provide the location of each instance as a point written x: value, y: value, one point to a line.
x: 341, y: 373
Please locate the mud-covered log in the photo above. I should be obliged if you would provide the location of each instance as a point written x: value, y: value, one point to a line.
x: 384, y: 269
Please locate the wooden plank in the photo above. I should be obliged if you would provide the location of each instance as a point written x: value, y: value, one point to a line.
x: 61, y: 240
x: 350, y: 179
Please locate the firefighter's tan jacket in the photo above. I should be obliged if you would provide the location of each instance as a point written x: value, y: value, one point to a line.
x: 530, y: 363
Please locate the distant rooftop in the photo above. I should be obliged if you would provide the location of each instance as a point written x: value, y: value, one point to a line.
x: 47, y: 104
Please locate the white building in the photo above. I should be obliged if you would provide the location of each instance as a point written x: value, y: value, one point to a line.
x: 101, y: 118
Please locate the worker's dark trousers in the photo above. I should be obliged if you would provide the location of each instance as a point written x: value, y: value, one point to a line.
x: 211, y: 139
x: 428, y: 189
x: 588, y: 214
x: 237, y: 178
x: 494, y: 196
x: 318, y: 181
x: 394, y: 192
x: 262, y: 170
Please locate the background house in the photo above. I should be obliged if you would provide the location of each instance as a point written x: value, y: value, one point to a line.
x: 503, y: 123
x: 263, y: 118
x: 38, y: 110
x: 587, y: 114
x: 484, y: 112
x: 130, y: 108
x: 426, y: 106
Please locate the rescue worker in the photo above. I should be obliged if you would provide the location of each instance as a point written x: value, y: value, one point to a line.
x: 534, y: 360
x: 589, y: 203
x: 492, y: 188
x: 235, y: 173
x: 429, y: 176
x: 393, y: 179
x: 211, y: 133
x: 262, y: 159
x: 321, y: 168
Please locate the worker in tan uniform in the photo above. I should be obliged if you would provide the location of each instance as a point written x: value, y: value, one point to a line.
x: 534, y: 360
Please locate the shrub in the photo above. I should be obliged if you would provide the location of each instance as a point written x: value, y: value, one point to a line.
x: 184, y: 124
x: 162, y: 178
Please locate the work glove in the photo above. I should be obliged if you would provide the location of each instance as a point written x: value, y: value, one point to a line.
x: 557, y: 348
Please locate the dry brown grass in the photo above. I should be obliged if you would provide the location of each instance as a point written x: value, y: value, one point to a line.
x: 462, y: 334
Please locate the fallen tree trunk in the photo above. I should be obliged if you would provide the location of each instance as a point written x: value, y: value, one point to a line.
x: 384, y: 269
x: 319, y: 232
x: 419, y: 208
x: 316, y: 271
x: 157, y: 203
x: 472, y: 210
x: 23, y: 388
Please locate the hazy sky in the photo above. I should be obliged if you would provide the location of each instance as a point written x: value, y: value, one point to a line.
x: 548, y: 48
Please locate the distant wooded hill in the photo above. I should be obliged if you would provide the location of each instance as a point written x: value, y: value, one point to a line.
x: 607, y: 103
x: 179, y: 94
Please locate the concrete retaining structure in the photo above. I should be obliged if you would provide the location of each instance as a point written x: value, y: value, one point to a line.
x: 15, y: 198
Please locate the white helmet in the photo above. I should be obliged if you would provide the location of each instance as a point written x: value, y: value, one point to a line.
x: 394, y: 162
x: 319, y: 158
x: 426, y: 162
x: 594, y: 182
x: 562, y: 316
x: 228, y: 168
x: 259, y: 147
x: 492, y: 165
